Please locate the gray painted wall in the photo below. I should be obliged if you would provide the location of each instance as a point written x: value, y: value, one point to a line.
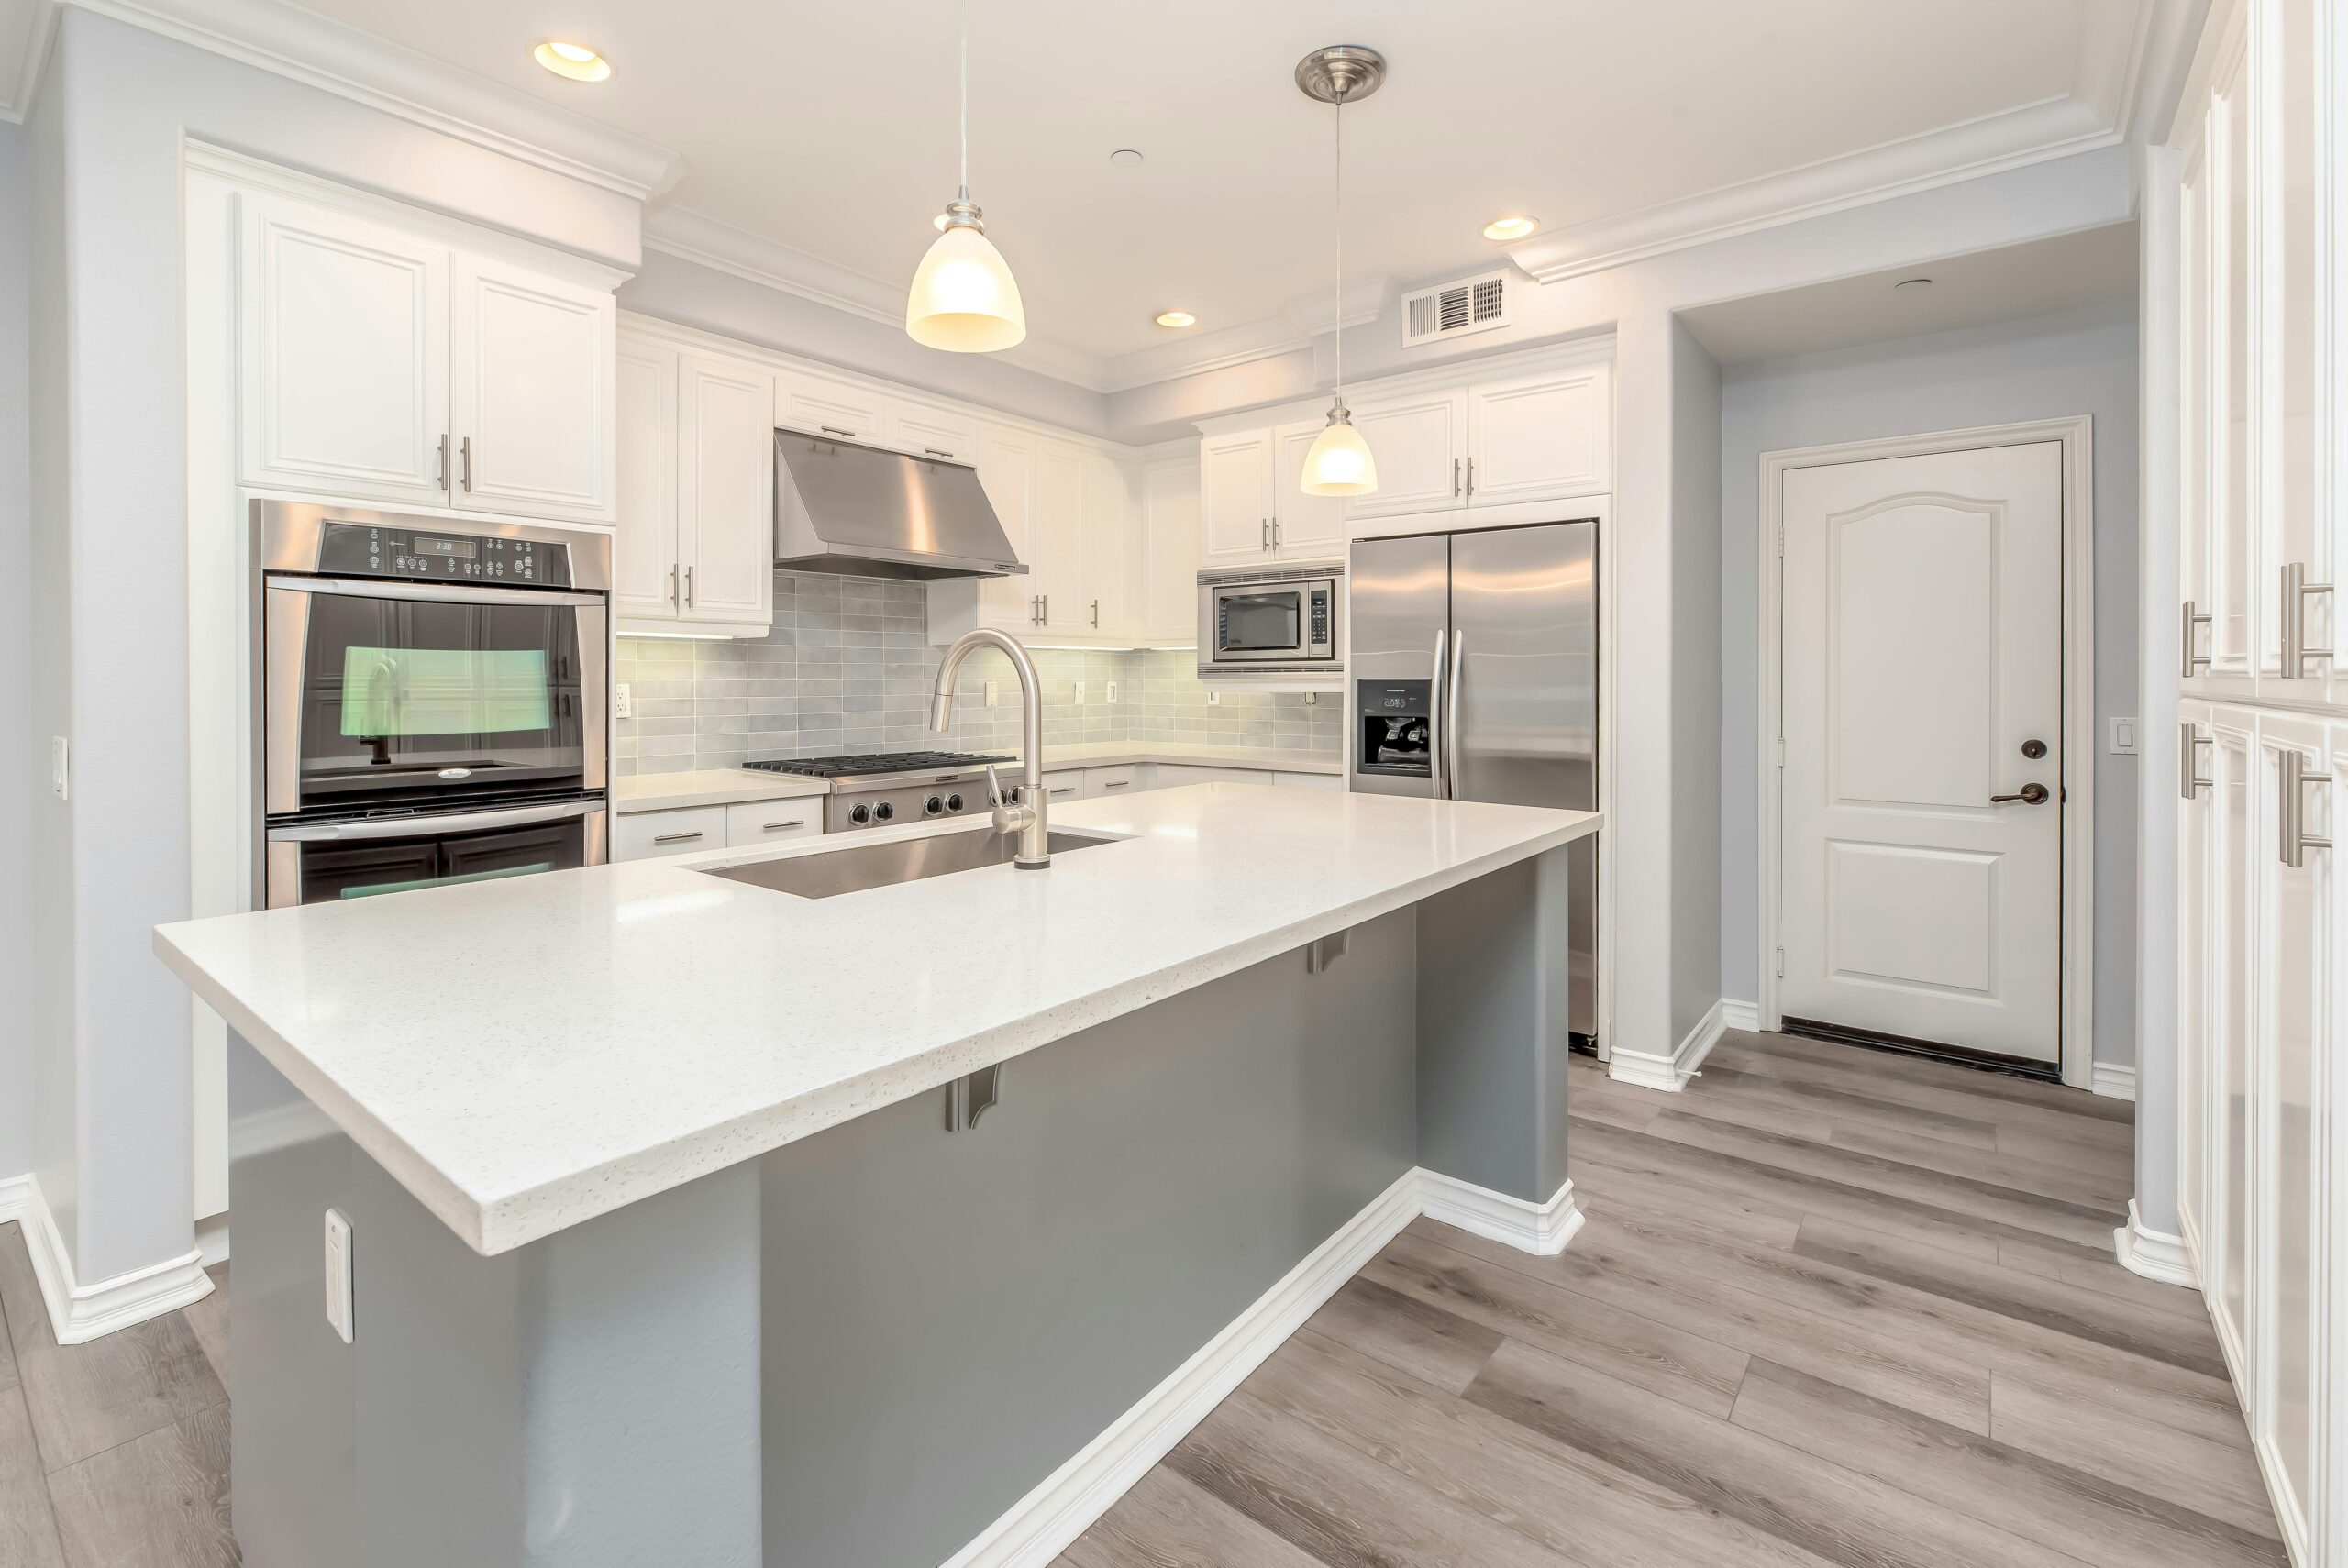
x: 20, y: 759
x: 2084, y: 362
x: 1695, y: 682
x: 113, y: 1133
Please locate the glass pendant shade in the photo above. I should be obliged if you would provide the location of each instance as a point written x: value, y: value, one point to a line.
x: 964, y: 298
x: 1339, y: 462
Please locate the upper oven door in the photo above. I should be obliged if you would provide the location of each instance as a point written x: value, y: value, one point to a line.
x: 1255, y: 622
x: 383, y: 692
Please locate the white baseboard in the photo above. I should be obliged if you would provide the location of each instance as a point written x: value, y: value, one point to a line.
x: 1041, y: 1525
x: 2115, y: 1080
x: 212, y: 1239
x: 1670, y: 1074
x: 1744, y: 1015
x: 79, y: 1313
x: 2155, y: 1255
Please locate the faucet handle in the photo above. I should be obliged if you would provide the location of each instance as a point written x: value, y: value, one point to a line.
x: 995, y: 789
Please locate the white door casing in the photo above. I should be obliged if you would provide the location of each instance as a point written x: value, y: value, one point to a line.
x: 1922, y: 651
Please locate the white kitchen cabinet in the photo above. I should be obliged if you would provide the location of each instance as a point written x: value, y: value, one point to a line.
x: 649, y: 836
x: 1106, y: 783
x: 644, y: 561
x: 1236, y: 479
x: 1545, y: 436
x: 1171, y: 775
x: 1171, y: 542
x: 380, y: 364
x: 1334, y: 783
x: 1056, y: 533
x: 343, y: 355
x: 751, y: 824
x: 1063, y: 784
x: 1419, y: 442
x: 1106, y: 557
x: 725, y: 492
x: 923, y: 430
x: 530, y: 360
x: 1304, y: 527
x: 820, y: 407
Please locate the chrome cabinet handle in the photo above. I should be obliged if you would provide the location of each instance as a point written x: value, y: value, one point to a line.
x: 678, y: 837
x: 1264, y: 531
x: 2295, y: 651
x: 465, y: 463
x: 836, y: 430
x: 1471, y: 478
x: 2194, y: 662
x: 1116, y: 783
x: 2189, y: 740
x: 1435, y: 716
x: 1061, y: 789
x: 2029, y: 795
x: 778, y: 827
x: 444, y: 462
x: 936, y: 452
x: 674, y: 598
x: 1043, y: 610
x: 1455, y: 477
x: 689, y: 588
x: 2292, y: 840
x: 1096, y: 612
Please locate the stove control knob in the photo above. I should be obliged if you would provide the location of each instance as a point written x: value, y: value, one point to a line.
x: 932, y: 806
x: 883, y: 811
x: 859, y: 815
x: 953, y: 802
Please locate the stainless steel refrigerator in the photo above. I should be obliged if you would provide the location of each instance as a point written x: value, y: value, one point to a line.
x: 1474, y: 664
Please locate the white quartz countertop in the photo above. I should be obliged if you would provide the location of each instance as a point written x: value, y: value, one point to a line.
x: 731, y: 786
x: 526, y: 1053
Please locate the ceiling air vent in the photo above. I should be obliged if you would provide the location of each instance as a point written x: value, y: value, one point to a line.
x: 1472, y: 305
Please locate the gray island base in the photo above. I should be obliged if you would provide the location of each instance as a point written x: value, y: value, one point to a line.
x: 891, y: 1344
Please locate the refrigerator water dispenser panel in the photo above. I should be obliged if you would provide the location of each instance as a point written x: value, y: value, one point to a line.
x: 1393, y: 717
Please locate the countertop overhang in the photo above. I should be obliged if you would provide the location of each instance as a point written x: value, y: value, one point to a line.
x: 524, y: 1054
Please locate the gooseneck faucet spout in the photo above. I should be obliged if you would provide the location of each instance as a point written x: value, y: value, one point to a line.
x: 1025, y: 816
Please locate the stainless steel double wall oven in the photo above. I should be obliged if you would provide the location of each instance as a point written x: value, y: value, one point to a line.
x: 430, y: 700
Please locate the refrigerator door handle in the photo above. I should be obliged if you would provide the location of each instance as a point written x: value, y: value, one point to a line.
x: 1451, y: 713
x: 1436, y: 717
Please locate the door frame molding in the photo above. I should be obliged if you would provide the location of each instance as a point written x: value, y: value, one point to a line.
x: 2077, y: 436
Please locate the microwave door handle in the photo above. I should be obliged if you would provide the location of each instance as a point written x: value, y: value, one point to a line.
x: 1451, y: 713
x: 444, y: 822
x: 1435, y: 716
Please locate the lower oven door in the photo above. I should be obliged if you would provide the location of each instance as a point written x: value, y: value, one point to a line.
x: 312, y: 863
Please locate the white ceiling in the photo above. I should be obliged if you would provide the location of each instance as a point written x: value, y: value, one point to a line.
x: 2069, y: 271
x: 829, y: 130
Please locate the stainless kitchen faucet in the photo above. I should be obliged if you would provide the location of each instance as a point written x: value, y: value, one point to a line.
x: 1025, y: 816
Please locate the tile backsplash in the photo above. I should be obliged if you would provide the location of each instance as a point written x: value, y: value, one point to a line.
x: 849, y: 665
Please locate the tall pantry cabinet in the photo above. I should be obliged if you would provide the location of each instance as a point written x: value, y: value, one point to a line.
x: 2263, y: 735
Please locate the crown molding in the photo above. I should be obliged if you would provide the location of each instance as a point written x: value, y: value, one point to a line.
x: 1360, y: 303
x: 318, y: 51
x: 2056, y: 127
x: 21, y: 60
x: 2162, y: 61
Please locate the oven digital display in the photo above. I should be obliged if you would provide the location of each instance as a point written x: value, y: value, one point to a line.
x: 425, y: 545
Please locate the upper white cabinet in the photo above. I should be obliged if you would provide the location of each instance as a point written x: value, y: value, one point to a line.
x: 343, y: 355
x: 1007, y: 473
x: 646, y: 569
x: 1540, y: 437
x: 1303, y: 525
x: 382, y: 364
x: 928, y: 432
x: 1101, y: 605
x: 724, y: 489
x: 1170, y: 539
x: 1236, y: 496
x: 820, y: 407
x: 1419, y: 442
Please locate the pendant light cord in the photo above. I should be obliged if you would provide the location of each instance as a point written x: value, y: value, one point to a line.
x: 966, y: 100
x: 1337, y: 324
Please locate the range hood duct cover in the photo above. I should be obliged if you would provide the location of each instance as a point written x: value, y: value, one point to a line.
x: 858, y: 510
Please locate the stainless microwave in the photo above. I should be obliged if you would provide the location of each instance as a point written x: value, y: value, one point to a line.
x: 1272, y: 621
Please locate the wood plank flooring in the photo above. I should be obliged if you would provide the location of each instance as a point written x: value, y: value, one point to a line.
x: 1831, y: 1308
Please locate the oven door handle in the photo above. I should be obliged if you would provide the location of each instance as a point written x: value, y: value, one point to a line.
x: 446, y: 822
x: 431, y: 592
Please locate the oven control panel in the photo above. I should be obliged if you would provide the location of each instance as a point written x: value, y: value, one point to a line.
x: 366, y: 549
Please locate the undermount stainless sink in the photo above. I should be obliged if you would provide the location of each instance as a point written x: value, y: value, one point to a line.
x: 829, y: 872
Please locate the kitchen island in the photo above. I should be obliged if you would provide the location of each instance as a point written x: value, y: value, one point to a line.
x: 698, y: 1221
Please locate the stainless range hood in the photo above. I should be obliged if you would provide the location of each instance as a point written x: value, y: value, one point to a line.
x: 862, y: 512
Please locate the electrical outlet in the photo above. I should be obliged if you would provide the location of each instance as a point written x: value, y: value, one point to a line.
x: 2123, y: 737
x: 1113, y: 694
x: 1215, y: 697
x: 60, y: 769
x: 1312, y: 698
x: 994, y: 693
x: 623, y: 701
x: 1079, y: 694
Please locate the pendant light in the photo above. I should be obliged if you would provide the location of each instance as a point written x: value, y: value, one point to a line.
x: 964, y: 298
x: 1339, y: 462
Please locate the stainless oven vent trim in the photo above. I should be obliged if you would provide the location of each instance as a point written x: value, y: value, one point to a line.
x: 1224, y: 577
x: 287, y: 537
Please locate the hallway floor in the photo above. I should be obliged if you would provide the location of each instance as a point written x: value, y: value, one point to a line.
x: 1830, y: 1307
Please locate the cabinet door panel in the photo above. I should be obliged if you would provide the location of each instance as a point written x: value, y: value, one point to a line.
x: 2295, y: 339
x: 2197, y: 930
x: 531, y: 367
x: 1056, y: 532
x: 1541, y: 438
x: 1170, y: 537
x: 1304, y: 527
x: 2229, y: 981
x: 1007, y: 473
x: 344, y: 355
x: 726, y: 489
x: 1102, y: 604
x: 645, y: 571
x: 1236, y: 495
x: 927, y: 432
x: 2235, y: 433
x: 823, y: 407
x: 1420, y: 443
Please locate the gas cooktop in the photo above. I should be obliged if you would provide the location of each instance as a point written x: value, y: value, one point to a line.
x: 877, y: 764
x: 875, y: 788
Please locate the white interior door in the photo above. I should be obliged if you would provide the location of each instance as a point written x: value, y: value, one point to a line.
x: 1922, y: 664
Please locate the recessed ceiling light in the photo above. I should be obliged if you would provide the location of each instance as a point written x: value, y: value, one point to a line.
x: 1177, y: 318
x: 1912, y: 283
x: 1124, y: 158
x: 576, y: 62
x: 1514, y: 226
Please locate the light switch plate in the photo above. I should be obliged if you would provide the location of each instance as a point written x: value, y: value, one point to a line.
x: 2123, y: 737
x: 1112, y: 697
x: 1215, y: 697
x: 623, y: 701
x: 991, y: 694
x: 338, y: 1277
x: 59, y: 767
x: 1079, y: 694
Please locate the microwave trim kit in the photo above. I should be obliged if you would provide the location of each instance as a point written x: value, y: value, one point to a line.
x: 1317, y: 643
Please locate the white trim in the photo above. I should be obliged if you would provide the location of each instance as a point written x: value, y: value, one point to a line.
x: 320, y: 52
x: 79, y: 1313
x: 1040, y: 1526
x: 2155, y: 1255
x: 40, y: 27
x: 1742, y: 1015
x: 2080, y: 743
x: 212, y: 1239
x: 1670, y: 1074
x: 2115, y: 1080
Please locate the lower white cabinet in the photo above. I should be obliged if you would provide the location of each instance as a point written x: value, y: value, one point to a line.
x: 1171, y: 774
x: 754, y: 822
x: 1335, y: 783
x: 648, y: 836
x: 1067, y: 784
x: 1103, y: 783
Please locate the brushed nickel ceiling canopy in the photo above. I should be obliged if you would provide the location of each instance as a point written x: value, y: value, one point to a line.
x: 1341, y: 74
